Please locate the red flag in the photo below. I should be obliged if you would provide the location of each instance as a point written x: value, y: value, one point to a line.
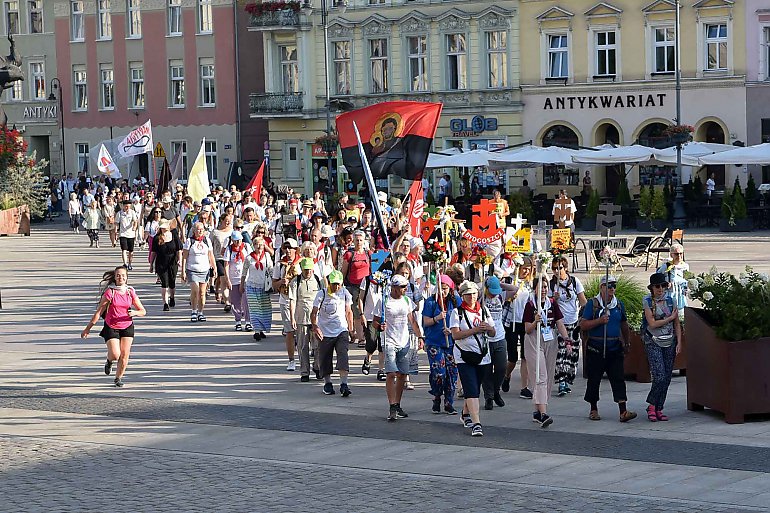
x: 416, y: 208
x: 428, y: 226
x: 256, y: 181
x: 396, y: 136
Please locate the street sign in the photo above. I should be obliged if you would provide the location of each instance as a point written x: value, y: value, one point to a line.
x: 159, y: 152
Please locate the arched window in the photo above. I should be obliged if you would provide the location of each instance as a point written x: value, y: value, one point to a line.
x: 564, y: 136
x: 653, y: 136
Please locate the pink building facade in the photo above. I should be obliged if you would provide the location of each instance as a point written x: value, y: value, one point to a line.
x: 758, y: 78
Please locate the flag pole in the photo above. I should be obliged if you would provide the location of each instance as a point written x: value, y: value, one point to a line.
x: 372, y: 186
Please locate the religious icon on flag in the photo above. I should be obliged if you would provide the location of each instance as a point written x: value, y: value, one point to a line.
x: 396, y: 136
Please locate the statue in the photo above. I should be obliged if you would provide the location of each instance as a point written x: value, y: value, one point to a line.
x: 10, y: 72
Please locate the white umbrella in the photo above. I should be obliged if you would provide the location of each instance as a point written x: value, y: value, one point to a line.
x: 759, y: 154
x: 532, y: 156
x: 471, y: 158
x: 690, y: 153
x: 633, y: 154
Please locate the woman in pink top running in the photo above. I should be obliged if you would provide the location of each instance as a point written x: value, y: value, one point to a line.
x: 120, y: 305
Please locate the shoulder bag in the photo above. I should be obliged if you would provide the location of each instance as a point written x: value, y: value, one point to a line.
x: 472, y: 357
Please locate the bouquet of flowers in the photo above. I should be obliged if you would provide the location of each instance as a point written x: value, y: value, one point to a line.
x: 435, y: 251
x: 608, y: 256
x: 543, y: 259
x: 381, y: 278
x: 480, y: 256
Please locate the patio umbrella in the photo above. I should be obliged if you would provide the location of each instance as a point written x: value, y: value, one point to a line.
x: 471, y: 158
x: 690, y: 153
x: 633, y: 154
x: 759, y: 154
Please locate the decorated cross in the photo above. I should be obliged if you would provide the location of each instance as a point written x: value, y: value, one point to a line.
x: 485, y: 229
x: 562, y: 212
x: 517, y: 222
x: 542, y: 228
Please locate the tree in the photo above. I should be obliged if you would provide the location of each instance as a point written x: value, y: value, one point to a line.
x: 645, y: 202
x: 658, y: 208
x: 624, y: 196
x: 592, y: 209
x: 751, y: 189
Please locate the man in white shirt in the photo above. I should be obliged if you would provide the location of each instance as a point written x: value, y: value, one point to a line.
x: 394, y: 319
x: 332, y: 322
x: 710, y: 186
x: 127, y: 221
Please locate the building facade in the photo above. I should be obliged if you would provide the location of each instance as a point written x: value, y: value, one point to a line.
x: 124, y: 62
x: 27, y: 103
x: 463, y: 54
x: 596, y: 73
x: 758, y: 79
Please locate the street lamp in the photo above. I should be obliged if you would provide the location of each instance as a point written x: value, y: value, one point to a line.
x: 680, y: 216
x: 340, y: 6
x: 56, y: 86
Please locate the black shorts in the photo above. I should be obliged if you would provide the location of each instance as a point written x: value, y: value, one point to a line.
x: 109, y: 333
x: 221, y: 268
x: 168, y: 278
x: 127, y: 244
x: 514, y: 336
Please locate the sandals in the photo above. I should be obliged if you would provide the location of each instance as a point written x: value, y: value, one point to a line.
x: 660, y: 415
x: 652, y: 415
x: 366, y: 367
x: 594, y: 415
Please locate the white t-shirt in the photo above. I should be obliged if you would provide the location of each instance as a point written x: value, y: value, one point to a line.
x: 457, y: 320
x: 396, y: 319
x: 495, y: 307
x: 235, y: 269
x: 331, y: 311
x: 258, y: 277
x: 370, y: 299
x: 569, y: 306
x: 126, y: 223
x: 198, y: 256
x: 522, y: 296
x: 710, y: 186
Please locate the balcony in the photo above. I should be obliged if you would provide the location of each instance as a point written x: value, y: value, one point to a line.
x: 282, y: 20
x: 276, y: 105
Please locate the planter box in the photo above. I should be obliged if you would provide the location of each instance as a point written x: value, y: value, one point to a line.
x: 15, y: 221
x: 588, y: 225
x: 637, y: 367
x: 731, y: 377
x: 741, y: 225
x: 650, y: 225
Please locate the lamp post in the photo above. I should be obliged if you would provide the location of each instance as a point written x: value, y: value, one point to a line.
x: 680, y: 216
x: 56, y: 86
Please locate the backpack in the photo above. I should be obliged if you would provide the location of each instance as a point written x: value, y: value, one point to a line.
x: 317, y: 280
x: 350, y: 264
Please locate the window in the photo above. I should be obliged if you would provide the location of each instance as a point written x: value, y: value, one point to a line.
x: 35, y: 9
x: 176, y: 85
x: 418, y: 63
x: 205, y: 19
x: 11, y: 11
x: 378, y: 62
x: 175, y: 145
x: 767, y: 55
x: 457, y: 63
x: 606, y: 51
x: 558, y: 56
x: 76, y: 19
x: 104, y: 21
x: 665, y: 50
x: 342, y: 67
x: 497, y: 58
x: 134, y: 18
x: 107, y: 86
x: 289, y: 69
x: 37, y: 72
x: 564, y: 136
x: 16, y: 92
x: 79, y: 88
x: 208, y: 89
x: 174, y: 17
x: 137, y: 85
x: 82, y: 150
x: 716, y: 47
x: 291, y: 161
x: 766, y: 139
x: 211, y: 159
x: 376, y: 2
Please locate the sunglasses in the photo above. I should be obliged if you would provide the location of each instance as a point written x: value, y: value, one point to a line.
x: 659, y: 286
x: 612, y: 285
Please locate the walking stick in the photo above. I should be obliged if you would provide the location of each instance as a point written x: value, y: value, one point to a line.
x: 539, y: 324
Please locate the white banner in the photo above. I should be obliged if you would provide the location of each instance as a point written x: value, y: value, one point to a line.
x: 106, y: 165
x: 138, y: 141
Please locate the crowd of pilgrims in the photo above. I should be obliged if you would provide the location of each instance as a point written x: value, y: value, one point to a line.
x: 475, y: 311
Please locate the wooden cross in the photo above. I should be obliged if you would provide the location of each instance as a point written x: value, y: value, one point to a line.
x: 609, y: 218
x: 562, y: 212
x: 542, y: 228
x: 517, y: 222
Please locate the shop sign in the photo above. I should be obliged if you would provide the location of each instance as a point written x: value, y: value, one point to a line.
x: 319, y: 152
x: 605, y: 101
x: 41, y: 112
x: 461, y: 127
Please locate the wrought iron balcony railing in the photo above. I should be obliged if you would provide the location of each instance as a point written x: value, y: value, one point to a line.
x: 275, y: 19
x: 276, y: 103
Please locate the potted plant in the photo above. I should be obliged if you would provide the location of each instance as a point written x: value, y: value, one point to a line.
x: 645, y: 204
x: 653, y: 213
x: 735, y: 216
x: 588, y: 223
x: 729, y: 344
x: 752, y: 194
x: 519, y: 203
x: 623, y: 199
x: 23, y: 189
x: 328, y: 142
x: 679, y: 134
x: 258, y: 9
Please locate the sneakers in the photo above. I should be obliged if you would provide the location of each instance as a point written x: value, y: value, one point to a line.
x: 366, y: 367
x: 304, y: 379
x: 449, y: 409
x: 238, y: 326
x: 345, y: 390
x: 292, y: 366
x: 525, y: 393
x: 118, y: 382
x: 536, y: 416
x: 628, y: 415
x: 506, y: 386
x: 248, y: 327
x: 567, y: 388
x: 328, y: 389
x: 317, y: 374
x: 489, y: 405
x: 400, y: 413
x: 166, y: 307
x: 408, y: 385
x: 476, y: 430
x: 545, y: 420
x: 381, y: 375
x: 171, y: 302
x: 465, y: 418
x: 436, y: 406
x: 562, y: 389
x: 228, y: 308
x: 107, y: 366
x: 392, y: 413
x: 201, y: 317
x: 498, y: 400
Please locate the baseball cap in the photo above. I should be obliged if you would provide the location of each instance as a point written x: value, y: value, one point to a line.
x: 236, y: 235
x: 291, y: 243
x: 608, y: 279
x: 468, y: 287
x: 382, y: 196
x: 493, y: 285
x: 327, y: 231
x: 196, y: 203
x: 206, y: 201
x: 399, y: 281
x: 306, y: 263
x: 335, y: 277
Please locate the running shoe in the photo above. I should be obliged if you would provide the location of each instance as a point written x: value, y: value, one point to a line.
x: 345, y: 390
x: 408, y: 385
x: 118, y: 382
x: 304, y: 379
x: 465, y: 418
x: 381, y: 375
x: 171, y: 302
x: 525, y: 393
x: 292, y: 366
x: 489, y: 405
x: 400, y: 412
x: 130, y: 268
x: 108, y: 366
x: 498, y: 400
x: 366, y: 367
x: 545, y: 420
x: 506, y: 386
x: 436, y: 406
x: 328, y: 389
x: 166, y: 307
x: 476, y: 430
x: 449, y: 409
x: 201, y: 317
x: 392, y: 413
x: 562, y: 389
x: 228, y: 308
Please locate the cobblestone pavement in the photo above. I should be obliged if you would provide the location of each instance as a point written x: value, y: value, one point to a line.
x: 53, y: 476
x: 707, y: 455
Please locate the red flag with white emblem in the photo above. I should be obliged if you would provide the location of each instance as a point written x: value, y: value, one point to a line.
x: 416, y: 208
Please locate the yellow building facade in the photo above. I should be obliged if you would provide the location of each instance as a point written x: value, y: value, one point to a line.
x: 462, y: 54
x: 595, y: 73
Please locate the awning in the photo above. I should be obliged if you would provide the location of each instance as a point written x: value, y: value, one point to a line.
x: 759, y: 154
x: 633, y: 154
